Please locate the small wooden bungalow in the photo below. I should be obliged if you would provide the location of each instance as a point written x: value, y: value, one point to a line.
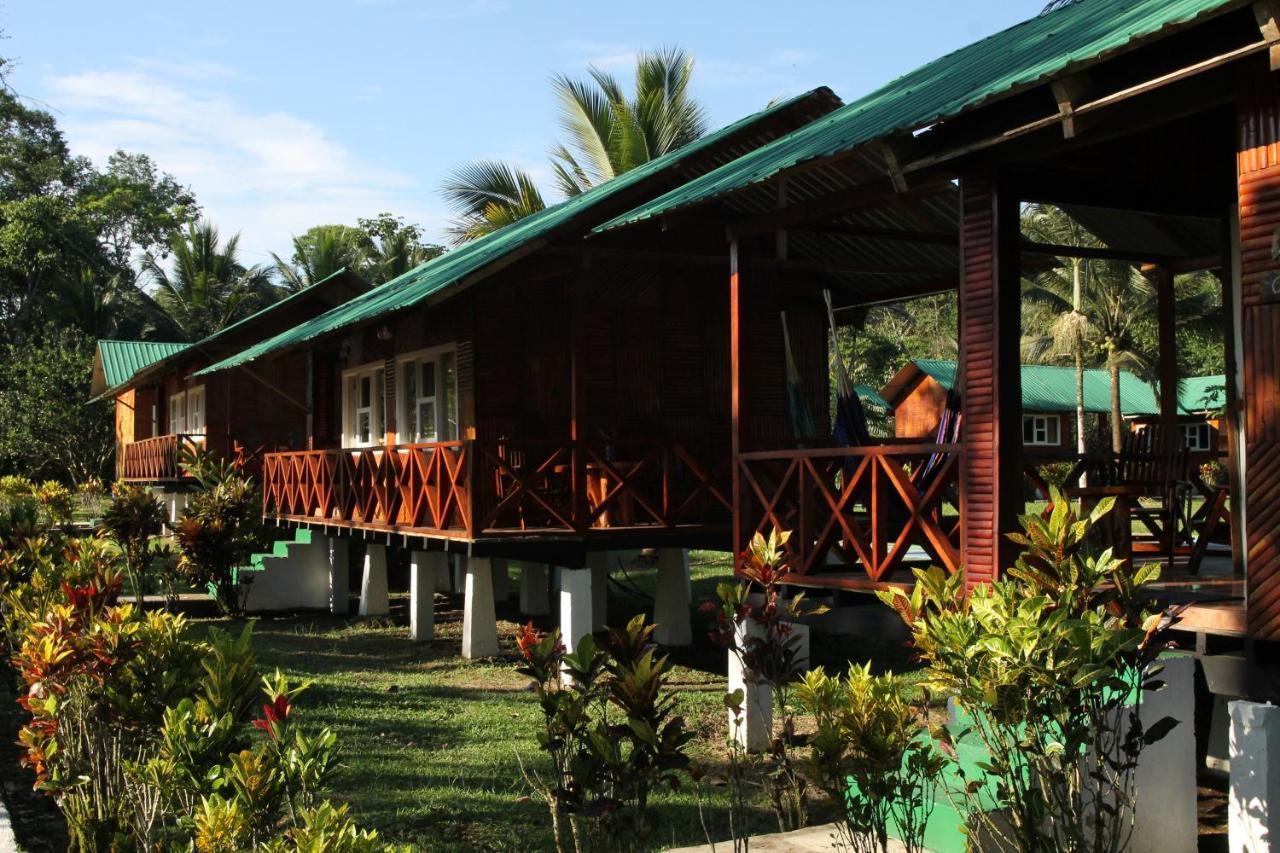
x: 917, y: 394
x: 160, y: 406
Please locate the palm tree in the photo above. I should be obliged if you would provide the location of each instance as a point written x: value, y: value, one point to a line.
x: 1068, y: 335
x: 605, y: 134
x: 208, y: 288
x: 320, y: 252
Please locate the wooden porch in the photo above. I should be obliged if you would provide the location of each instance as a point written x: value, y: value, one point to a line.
x: 469, y: 491
x: 159, y: 459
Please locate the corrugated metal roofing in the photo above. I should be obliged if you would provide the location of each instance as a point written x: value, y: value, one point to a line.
x: 871, y: 397
x: 1047, y: 388
x: 1202, y: 393
x: 1023, y: 55
x: 122, y: 359
x: 525, y: 235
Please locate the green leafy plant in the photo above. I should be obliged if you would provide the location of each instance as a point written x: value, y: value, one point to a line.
x: 754, y: 622
x: 1048, y: 668
x: 872, y: 755
x: 221, y: 529
x: 132, y: 519
x: 610, y: 729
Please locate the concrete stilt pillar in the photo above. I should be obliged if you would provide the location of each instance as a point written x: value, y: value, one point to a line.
x: 459, y: 572
x: 754, y: 727
x: 671, y: 600
x: 1255, y: 776
x: 373, y: 586
x: 423, y: 570
x: 479, y: 622
x: 575, y: 606
x: 501, y: 585
x: 443, y: 574
x: 1164, y: 782
x: 339, y: 548
x: 598, y: 564
x: 533, y: 589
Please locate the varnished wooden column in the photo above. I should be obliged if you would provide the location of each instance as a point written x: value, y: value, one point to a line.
x: 1258, y: 187
x: 990, y: 378
x: 735, y: 386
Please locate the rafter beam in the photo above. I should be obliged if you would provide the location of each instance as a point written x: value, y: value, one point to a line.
x: 1267, y: 14
x: 931, y: 238
x: 871, y: 195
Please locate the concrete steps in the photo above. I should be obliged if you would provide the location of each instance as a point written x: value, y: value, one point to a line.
x: 293, y: 575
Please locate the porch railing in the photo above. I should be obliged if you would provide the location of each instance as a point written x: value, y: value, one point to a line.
x: 468, y: 489
x: 856, y: 512
x: 157, y: 458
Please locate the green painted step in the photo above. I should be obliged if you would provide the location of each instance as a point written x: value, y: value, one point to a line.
x: 279, y: 548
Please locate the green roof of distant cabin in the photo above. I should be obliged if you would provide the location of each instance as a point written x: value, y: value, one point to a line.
x: 1202, y: 393
x: 1025, y: 55
x: 1048, y: 388
x: 122, y: 359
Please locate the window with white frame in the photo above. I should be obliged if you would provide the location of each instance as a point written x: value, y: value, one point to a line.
x: 427, y: 404
x: 195, y: 411
x: 1197, y: 436
x: 364, y: 406
x: 177, y: 413
x: 1040, y: 429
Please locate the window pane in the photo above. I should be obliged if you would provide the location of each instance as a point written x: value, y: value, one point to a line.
x: 1051, y: 433
x: 1028, y: 430
x: 427, y: 419
x: 364, y: 391
x: 362, y: 427
x: 379, y: 407
x: 447, y: 376
x: 428, y: 378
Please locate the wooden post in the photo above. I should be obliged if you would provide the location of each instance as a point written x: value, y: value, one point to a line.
x: 1230, y: 426
x: 576, y: 292
x: 1166, y: 315
x: 990, y: 375
x: 735, y: 386
x: 1258, y: 189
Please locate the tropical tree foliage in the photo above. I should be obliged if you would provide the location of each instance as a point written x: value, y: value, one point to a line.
x: 206, y: 286
x: 604, y: 131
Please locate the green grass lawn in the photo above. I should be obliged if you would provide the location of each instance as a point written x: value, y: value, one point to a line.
x: 432, y: 744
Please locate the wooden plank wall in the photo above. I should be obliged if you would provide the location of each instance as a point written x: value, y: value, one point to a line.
x: 989, y: 377
x: 1258, y: 182
x: 919, y: 413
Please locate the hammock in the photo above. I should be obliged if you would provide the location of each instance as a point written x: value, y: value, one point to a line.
x: 948, y: 433
x: 850, y: 428
x: 801, y: 420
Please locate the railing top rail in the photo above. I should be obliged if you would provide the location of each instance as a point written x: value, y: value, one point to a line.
x: 842, y: 452
x: 377, y: 448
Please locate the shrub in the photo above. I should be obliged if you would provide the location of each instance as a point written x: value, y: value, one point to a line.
x: 754, y: 622
x: 869, y: 736
x: 605, y: 769
x: 132, y: 519
x: 220, y: 530
x: 1049, y: 665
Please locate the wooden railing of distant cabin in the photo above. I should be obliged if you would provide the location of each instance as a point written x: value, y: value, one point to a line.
x: 463, y: 489
x: 864, y: 506
x: 157, y: 458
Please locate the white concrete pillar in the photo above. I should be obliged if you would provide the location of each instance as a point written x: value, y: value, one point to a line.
x: 1252, y: 824
x: 479, y: 622
x: 424, y: 568
x: 599, y: 565
x: 444, y: 574
x: 500, y: 580
x: 754, y: 728
x: 373, y: 586
x: 1164, y: 782
x: 533, y: 589
x: 801, y: 633
x: 339, y: 554
x: 575, y: 606
x: 459, y: 572
x: 671, y: 600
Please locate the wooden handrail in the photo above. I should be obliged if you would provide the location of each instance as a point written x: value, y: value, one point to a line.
x: 462, y: 488
x: 861, y: 504
x: 157, y: 458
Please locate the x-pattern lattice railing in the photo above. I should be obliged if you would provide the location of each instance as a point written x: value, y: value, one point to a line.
x: 868, y: 506
x: 527, y: 486
x: 156, y: 458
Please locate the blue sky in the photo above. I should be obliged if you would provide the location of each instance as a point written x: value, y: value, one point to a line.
x: 282, y: 115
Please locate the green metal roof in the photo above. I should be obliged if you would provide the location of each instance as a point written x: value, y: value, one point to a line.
x: 1202, y: 393
x: 1047, y: 388
x: 1019, y: 57
x: 120, y: 360
x: 507, y: 244
x: 871, y: 397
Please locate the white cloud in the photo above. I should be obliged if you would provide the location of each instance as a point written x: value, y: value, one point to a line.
x: 266, y: 175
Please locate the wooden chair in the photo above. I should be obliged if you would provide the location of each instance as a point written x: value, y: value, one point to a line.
x: 1155, y: 474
